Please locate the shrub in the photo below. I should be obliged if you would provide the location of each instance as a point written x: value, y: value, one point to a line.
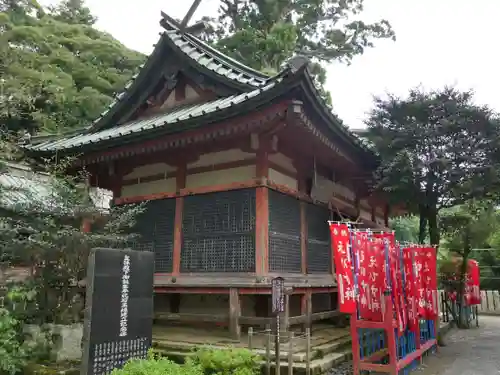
x: 13, y: 355
x: 205, y: 361
x: 227, y: 362
x: 155, y: 365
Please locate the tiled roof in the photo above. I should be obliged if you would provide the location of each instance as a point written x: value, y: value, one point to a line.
x: 213, y: 60
x: 201, y: 54
x: 153, y: 122
x: 23, y: 188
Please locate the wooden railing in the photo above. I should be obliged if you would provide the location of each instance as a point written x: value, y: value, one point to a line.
x: 490, y: 301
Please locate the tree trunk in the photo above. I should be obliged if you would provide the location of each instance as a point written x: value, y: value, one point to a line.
x: 422, y: 228
x: 463, y: 276
x: 434, y: 234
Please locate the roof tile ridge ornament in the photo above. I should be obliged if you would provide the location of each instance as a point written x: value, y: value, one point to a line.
x: 192, y: 32
x: 171, y: 24
x: 297, y: 63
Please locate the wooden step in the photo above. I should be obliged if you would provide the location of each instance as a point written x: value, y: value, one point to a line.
x: 317, y: 367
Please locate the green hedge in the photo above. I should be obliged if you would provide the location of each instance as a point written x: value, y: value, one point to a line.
x: 205, y: 361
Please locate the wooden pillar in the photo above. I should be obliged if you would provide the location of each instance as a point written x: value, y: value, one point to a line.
x: 303, y: 236
x: 117, y: 180
x: 387, y: 210
x: 285, y: 316
x: 262, y: 210
x: 302, y: 187
x: 234, y: 314
x: 86, y: 225
x: 179, y: 209
x: 306, y: 309
x: 357, y: 205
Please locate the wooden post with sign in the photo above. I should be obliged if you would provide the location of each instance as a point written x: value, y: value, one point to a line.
x: 278, y: 307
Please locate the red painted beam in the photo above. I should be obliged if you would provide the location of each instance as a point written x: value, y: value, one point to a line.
x: 416, y: 354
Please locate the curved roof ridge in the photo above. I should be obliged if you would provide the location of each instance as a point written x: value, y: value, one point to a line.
x: 256, y: 77
x: 214, y: 51
x: 123, y: 94
x: 239, y: 65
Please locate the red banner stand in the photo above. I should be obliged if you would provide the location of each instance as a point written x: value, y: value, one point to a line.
x: 389, y: 325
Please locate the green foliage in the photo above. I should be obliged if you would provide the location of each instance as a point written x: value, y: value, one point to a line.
x: 438, y: 149
x: 73, y: 11
x: 13, y: 356
x: 265, y: 33
x: 155, y: 365
x: 58, y: 71
x: 406, y: 228
x: 469, y: 226
x: 42, y: 228
x: 205, y: 361
x: 227, y: 362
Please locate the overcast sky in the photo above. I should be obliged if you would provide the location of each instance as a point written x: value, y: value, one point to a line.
x: 439, y: 42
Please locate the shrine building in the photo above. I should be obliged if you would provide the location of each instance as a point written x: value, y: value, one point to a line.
x: 241, y: 172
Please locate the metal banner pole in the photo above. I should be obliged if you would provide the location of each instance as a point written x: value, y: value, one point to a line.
x: 278, y: 306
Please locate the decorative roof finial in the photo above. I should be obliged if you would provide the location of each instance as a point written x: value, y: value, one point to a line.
x: 297, y: 62
x: 197, y: 28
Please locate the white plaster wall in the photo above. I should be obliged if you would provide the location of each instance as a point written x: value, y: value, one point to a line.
x: 153, y: 187
x: 322, y: 189
x: 282, y: 179
x: 219, y: 157
x: 283, y: 161
x: 225, y: 176
x: 191, y: 93
x: 366, y: 215
x: 344, y: 191
x: 149, y: 170
x: 170, y: 102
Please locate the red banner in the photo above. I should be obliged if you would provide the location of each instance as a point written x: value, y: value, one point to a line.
x: 473, y: 283
x: 410, y: 287
x: 395, y: 283
x: 429, y: 275
x: 376, y: 276
x: 343, y: 267
x: 360, y: 249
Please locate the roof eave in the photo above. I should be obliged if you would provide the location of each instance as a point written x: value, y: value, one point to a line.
x: 120, y: 99
x: 338, y: 129
x: 167, y: 24
x: 174, y: 128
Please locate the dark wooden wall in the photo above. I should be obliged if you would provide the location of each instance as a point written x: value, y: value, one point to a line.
x: 218, y: 232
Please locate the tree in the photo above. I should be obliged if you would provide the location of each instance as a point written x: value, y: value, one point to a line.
x: 41, y: 228
x: 438, y: 149
x: 465, y: 227
x: 73, y: 12
x: 57, y: 71
x: 265, y: 33
x: 405, y: 228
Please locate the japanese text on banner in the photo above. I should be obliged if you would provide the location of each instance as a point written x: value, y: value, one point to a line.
x: 343, y: 267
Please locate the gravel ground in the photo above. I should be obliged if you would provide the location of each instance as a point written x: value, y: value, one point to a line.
x: 343, y: 369
x: 474, y: 351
